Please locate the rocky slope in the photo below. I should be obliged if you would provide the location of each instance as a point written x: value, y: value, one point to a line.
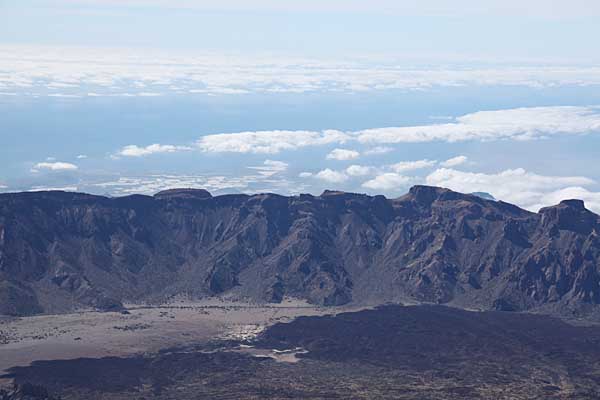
x: 60, y: 251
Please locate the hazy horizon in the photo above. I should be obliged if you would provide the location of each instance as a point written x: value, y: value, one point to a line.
x: 138, y: 96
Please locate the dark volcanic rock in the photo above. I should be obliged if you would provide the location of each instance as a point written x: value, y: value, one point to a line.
x: 183, y: 194
x: 392, y: 352
x: 63, y: 250
x: 26, y: 391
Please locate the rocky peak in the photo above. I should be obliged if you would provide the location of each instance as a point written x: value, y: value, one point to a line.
x: 574, y: 203
x: 183, y: 194
x: 425, y: 196
x: 570, y: 215
x: 334, y: 193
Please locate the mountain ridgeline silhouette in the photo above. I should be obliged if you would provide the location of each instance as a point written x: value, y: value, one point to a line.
x: 61, y: 251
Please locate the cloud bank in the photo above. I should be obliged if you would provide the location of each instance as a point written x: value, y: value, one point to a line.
x: 74, y: 72
x: 517, y: 186
x: 54, y: 166
x: 136, y: 151
x: 513, y: 124
x: 331, y: 176
x: 387, y: 182
x: 268, y: 142
x: 454, y: 162
x: 343, y: 155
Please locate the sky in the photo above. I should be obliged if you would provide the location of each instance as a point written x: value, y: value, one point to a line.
x: 136, y: 96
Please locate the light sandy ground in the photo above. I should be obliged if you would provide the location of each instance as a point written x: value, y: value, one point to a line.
x: 285, y: 356
x: 145, y: 329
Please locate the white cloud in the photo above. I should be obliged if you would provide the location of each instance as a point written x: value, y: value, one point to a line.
x: 512, y: 124
x: 82, y: 157
x: 305, y: 174
x: 268, y: 142
x: 150, y: 184
x: 515, y: 124
x: 591, y: 199
x: 53, y: 188
x: 343, y: 155
x: 331, y: 176
x: 405, y: 166
x: 387, y: 182
x: 454, y: 162
x: 517, y: 186
x: 74, y: 72
x: 136, y: 151
x: 54, y: 166
x: 378, y: 150
x: 276, y: 165
x: 271, y: 167
x: 359, y: 170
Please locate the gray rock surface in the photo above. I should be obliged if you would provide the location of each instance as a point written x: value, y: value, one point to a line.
x: 60, y: 251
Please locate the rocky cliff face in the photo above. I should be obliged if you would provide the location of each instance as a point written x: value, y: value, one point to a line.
x: 59, y: 251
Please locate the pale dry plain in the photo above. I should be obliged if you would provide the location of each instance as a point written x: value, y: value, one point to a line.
x: 142, y: 329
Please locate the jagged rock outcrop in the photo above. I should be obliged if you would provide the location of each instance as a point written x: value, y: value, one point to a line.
x: 59, y: 251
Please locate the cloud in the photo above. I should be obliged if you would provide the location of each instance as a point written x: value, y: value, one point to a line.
x: 454, y: 162
x: 512, y: 124
x: 517, y: 186
x: 591, y: 199
x: 343, y: 155
x: 54, y: 166
x: 268, y: 142
x: 73, y: 72
x: 359, y: 170
x: 82, y: 157
x: 136, y: 151
x: 53, y: 188
x: 331, y: 176
x: 271, y: 167
x: 378, y: 150
x: 221, y: 183
x: 387, y: 182
x: 305, y: 174
x: 405, y: 166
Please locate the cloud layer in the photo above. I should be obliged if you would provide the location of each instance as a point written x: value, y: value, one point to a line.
x: 343, y: 154
x: 512, y: 124
x: 54, y: 166
x: 331, y: 176
x: 76, y: 72
x: 268, y: 142
x: 136, y: 151
x: 517, y: 186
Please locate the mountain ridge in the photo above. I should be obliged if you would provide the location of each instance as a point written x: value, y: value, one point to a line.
x: 61, y: 251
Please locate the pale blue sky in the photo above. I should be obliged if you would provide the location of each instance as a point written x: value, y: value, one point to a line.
x: 124, y: 96
x: 498, y: 30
